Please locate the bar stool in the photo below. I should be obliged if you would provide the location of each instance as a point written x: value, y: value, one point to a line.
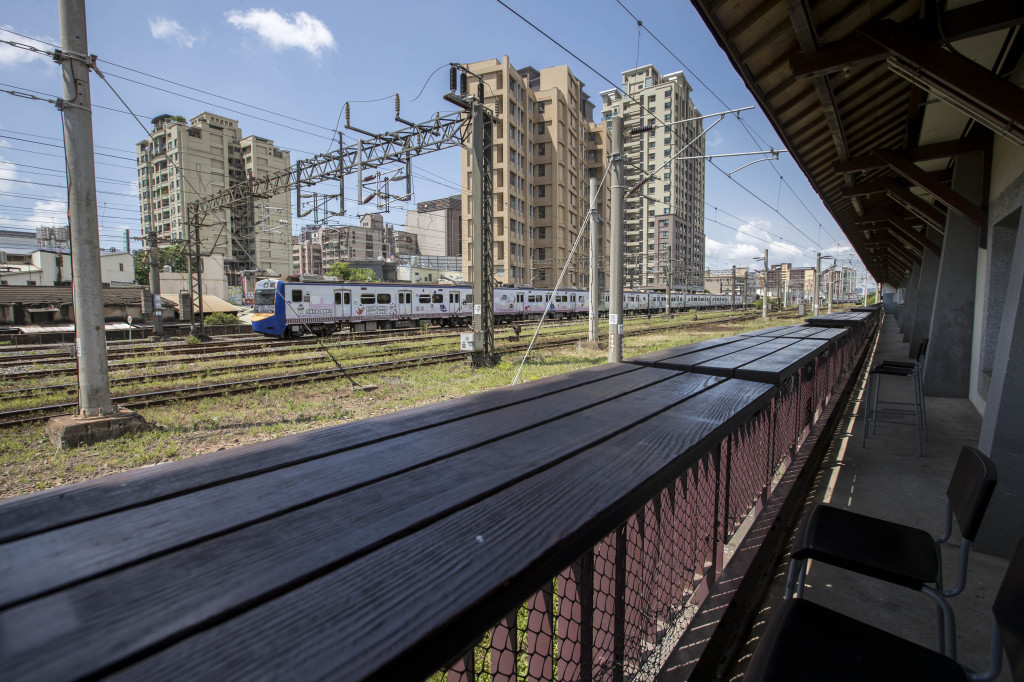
x: 913, y: 370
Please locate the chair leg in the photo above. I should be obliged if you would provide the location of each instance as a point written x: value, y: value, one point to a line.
x: 867, y: 410
x: 917, y: 415
x: 924, y: 411
x: 946, y: 626
x: 874, y: 404
x: 795, y: 577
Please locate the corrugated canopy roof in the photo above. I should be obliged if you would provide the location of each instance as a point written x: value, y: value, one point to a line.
x: 874, y: 99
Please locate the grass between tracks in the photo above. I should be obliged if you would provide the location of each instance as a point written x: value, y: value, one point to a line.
x: 28, y: 462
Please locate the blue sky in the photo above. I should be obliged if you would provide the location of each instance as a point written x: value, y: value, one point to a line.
x: 285, y: 72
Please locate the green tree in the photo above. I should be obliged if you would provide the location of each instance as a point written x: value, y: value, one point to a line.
x: 347, y: 273
x: 176, y: 256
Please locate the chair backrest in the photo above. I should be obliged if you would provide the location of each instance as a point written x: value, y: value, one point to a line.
x: 1008, y: 610
x: 970, y: 489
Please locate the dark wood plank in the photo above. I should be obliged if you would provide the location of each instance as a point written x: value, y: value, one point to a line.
x: 123, y: 613
x: 58, y: 507
x: 690, y: 360
x: 839, y: 320
x: 28, y: 566
x: 782, y: 364
x: 411, y: 603
x: 727, y: 365
x: 769, y: 331
x: 411, y: 600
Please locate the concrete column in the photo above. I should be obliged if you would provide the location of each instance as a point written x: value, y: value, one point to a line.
x: 948, y: 364
x: 925, y: 299
x: 1002, y: 428
x: 909, y: 302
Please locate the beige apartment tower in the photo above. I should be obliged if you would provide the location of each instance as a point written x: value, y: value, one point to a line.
x: 212, y: 155
x: 546, y: 149
x: 664, y: 220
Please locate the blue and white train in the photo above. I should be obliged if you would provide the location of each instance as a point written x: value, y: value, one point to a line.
x: 283, y: 307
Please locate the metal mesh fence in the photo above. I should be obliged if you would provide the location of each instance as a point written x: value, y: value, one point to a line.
x: 617, y: 611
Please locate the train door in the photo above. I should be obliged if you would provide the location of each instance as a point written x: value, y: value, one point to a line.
x: 342, y: 305
x: 405, y: 303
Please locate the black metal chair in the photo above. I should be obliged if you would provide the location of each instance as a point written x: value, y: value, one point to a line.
x: 892, y: 368
x: 899, y: 554
x: 805, y: 641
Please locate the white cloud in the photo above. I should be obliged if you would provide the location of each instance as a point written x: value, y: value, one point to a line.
x: 11, y: 57
x: 169, y: 29
x: 52, y: 212
x: 8, y: 172
x: 300, y: 30
x: 751, y: 240
x: 715, y: 138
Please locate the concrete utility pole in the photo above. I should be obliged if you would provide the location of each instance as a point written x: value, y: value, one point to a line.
x: 97, y: 418
x: 732, y: 289
x: 595, y: 290
x: 87, y: 292
x: 618, y: 216
x: 764, y: 303
x: 154, y: 285
x: 817, y: 285
x: 668, y: 283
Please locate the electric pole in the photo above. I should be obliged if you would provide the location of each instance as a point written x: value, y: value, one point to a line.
x: 764, y: 303
x: 668, y: 283
x: 154, y: 285
x: 87, y: 290
x: 97, y: 418
x: 732, y: 290
x: 594, y: 288
x: 618, y: 215
x: 817, y: 294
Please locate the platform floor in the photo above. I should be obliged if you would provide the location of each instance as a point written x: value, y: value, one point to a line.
x: 889, y: 480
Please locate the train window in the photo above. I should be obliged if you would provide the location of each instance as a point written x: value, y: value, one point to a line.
x: 383, y: 298
x: 453, y: 297
x: 296, y: 295
x: 337, y: 298
x: 547, y: 297
x: 348, y: 297
x: 367, y: 298
x: 532, y: 299
x: 438, y: 298
x: 424, y: 298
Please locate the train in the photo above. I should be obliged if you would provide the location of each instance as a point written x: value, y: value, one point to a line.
x: 300, y: 305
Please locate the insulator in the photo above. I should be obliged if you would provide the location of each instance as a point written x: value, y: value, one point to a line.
x: 453, y: 78
x: 640, y: 129
x: 368, y: 178
x: 480, y: 90
x: 398, y: 106
x: 463, y: 83
x: 348, y: 114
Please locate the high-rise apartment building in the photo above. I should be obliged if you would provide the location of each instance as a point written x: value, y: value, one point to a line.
x: 665, y: 219
x: 437, y: 225
x: 184, y: 160
x: 546, y: 147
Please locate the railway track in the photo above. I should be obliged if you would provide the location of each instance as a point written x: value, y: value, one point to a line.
x: 145, y: 399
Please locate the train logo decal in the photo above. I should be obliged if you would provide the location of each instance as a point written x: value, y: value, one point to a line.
x: 443, y: 308
x: 360, y: 310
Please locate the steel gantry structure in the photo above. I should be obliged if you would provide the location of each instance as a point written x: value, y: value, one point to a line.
x: 441, y: 132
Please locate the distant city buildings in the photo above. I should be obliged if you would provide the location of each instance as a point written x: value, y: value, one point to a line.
x: 664, y: 226
x: 182, y: 161
x: 546, y: 148
x: 317, y: 248
x: 437, y: 227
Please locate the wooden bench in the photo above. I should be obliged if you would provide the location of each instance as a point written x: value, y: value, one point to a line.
x: 383, y: 548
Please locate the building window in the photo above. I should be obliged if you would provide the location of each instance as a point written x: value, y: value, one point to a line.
x: 540, y: 128
x: 541, y: 149
x: 542, y: 169
x: 541, y: 212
